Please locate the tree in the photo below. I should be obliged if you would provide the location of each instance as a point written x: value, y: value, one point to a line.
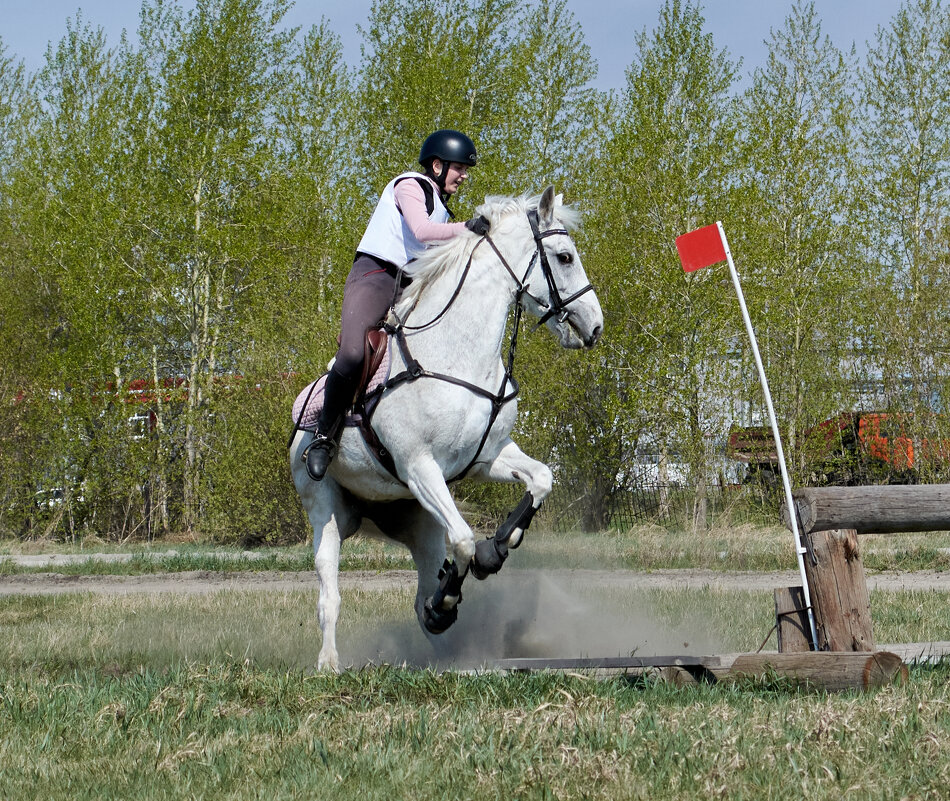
x: 666, y: 338
x: 801, y: 266
x: 176, y: 209
x: 429, y: 64
x: 905, y: 137
x: 21, y: 303
x: 552, y: 114
x: 309, y: 215
x: 70, y: 191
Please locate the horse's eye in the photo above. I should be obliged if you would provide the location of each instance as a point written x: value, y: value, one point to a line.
x: 565, y: 258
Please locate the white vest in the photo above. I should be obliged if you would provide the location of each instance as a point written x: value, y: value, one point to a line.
x: 387, y: 236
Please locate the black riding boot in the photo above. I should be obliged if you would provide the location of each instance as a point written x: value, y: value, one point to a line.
x: 337, y: 398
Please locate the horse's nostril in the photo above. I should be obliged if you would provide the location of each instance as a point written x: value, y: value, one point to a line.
x: 594, y: 336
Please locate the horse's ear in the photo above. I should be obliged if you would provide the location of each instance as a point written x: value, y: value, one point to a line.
x: 546, y: 208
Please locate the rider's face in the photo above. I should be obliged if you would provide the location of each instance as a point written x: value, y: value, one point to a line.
x: 455, y: 175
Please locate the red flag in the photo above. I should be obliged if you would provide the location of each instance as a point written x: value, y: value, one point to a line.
x: 701, y: 248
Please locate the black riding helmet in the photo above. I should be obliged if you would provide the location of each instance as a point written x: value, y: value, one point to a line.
x: 448, y: 146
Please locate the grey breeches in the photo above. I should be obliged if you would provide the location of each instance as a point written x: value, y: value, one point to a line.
x: 367, y: 297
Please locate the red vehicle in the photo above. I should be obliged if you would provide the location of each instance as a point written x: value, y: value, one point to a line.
x: 852, y: 448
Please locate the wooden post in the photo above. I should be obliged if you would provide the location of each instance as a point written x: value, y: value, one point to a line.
x: 830, y: 518
x: 791, y: 620
x: 839, y: 591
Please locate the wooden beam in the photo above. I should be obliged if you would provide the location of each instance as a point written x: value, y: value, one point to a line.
x: 822, y: 669
x: 608, y: 662
x: 872, y: 510
x: 920, y: 653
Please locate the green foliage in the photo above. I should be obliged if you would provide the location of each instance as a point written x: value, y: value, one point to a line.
x: 176, y: 232
x: 251, y: 497
x: 179, y: 210
x: 442, y: 64
x: 665, y: 170
x: 905, y: 137
x: 800, y: 172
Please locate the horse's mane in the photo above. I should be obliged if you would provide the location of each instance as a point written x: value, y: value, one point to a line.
x: 500, y: 210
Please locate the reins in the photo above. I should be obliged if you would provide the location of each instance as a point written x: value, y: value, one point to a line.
x: 414, y: 370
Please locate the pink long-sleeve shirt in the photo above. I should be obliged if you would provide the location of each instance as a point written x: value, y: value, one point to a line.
x: 411, y: 201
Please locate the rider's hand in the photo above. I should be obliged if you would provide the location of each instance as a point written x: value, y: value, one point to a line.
x: 478, y: 225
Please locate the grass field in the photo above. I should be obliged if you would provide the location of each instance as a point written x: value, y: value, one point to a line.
x: 235, y: 731
x: 213, y: 696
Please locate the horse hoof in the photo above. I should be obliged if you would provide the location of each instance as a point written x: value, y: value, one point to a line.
x: 437, y: 621
x: 488, y: 559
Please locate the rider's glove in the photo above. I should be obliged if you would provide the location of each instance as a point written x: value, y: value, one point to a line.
x: 478, y: 225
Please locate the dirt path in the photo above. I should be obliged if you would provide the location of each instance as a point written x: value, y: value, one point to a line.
x: 368, y: 581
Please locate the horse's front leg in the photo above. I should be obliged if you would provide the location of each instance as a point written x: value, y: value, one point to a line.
x: 512, y: 464
x: 426, y: 482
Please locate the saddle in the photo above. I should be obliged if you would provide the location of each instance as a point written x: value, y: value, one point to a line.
x: 375, y: 348
x: 375, y: 369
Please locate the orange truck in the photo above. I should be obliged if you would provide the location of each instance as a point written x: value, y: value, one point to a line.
x: 852, y: 448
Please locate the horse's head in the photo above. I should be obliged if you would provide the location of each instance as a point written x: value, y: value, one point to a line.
x: 558, y: 291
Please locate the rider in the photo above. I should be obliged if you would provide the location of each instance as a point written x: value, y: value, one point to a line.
x: 411, y: 212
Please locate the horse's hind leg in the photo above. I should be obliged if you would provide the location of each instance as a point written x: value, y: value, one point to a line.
x: 409, y: 523
x: 332, y: 522
x: 511, y: 465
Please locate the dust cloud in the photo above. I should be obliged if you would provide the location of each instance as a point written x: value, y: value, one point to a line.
x: 526, y: 614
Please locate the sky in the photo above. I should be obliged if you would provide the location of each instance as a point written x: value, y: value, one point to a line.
x: 610, y: 26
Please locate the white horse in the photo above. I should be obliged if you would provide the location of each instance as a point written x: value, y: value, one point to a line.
x: 450, y: 407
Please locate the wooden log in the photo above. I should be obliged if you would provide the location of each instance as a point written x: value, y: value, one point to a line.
x: 823, y: 669
x: 839, y: 591
x: 872, y: 510
x: 791, y: 621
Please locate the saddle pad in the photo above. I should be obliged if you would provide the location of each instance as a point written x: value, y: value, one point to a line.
x: 312, y: 396
x: 308, y: 421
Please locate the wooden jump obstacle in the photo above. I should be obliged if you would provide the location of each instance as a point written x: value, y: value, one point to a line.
x: 830, y: 521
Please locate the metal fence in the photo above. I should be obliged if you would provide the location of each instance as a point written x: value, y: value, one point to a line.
x: 569, y: 509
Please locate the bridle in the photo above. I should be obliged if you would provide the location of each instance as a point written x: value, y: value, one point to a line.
x: 558, y: 306
x: 414, y: 370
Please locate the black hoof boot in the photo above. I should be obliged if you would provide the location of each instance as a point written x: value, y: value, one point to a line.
x: 437, y: 621
x: 490, y: 555
x: 318, y: 455
x: 441, y: 610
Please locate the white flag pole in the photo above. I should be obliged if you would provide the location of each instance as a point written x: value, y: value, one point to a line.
x: 792, y: 512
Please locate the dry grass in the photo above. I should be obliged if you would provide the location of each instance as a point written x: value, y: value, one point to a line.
x: 646, y: 547
x: 279, y: 631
